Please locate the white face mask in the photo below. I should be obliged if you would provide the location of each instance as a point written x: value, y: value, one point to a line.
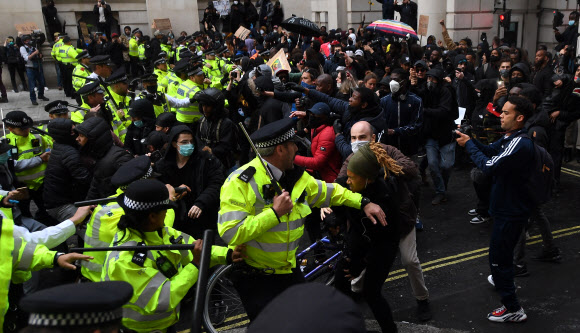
x: 261, y: 32
x: 395, y: 86
x: 356, y: 145
x: 338, y: 84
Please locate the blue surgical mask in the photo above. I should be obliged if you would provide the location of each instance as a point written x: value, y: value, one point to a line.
x: 138, y: 123
x: 571, y: 22
x: 4, y: 158
x: 186, y: 150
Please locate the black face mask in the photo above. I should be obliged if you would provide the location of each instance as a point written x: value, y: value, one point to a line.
x: 314, y: 122
x: 516, y: 80
x: 493, y: 58
x: 152, y: 89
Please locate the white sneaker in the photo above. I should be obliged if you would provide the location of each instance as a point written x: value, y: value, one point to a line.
x: 480, y: 219
x: 501, y: 315
x: 472, y: 212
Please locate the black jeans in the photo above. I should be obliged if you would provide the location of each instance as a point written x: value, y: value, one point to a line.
x: 504, y: 236
x: 13, y: 68
x: 379, y: 260
x: 257, y: 290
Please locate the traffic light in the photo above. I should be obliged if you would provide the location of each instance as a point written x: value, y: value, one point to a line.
x: 505, y: 18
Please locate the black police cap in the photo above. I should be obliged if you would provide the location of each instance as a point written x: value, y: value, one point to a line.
x: 149, y: 77
x: 84, y: 54
x: 135, y: 169
x: 18, y: 119
x: 90, y: 88
x: 87, y: 304
x: 274, y: 133
x: 56, y: 107
x: 101, y: 60
x: 118, y: 76
x: 181, y: 66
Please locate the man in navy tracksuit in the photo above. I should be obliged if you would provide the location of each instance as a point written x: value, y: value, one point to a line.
x: 509, y: 162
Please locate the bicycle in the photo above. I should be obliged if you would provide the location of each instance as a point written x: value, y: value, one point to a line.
x: 224, y: 310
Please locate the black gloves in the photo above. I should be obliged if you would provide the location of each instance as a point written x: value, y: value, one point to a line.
x: 337, y: 127
x: 296, y: 87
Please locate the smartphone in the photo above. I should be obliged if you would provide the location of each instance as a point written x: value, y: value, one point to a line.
x: 500, y: 84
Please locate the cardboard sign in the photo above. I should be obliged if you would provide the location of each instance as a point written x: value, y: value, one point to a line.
x: 84, y: 30
x: 242, y: 33
x: 279, y: 61
x: 423, y: 25
x: 26, y: 28
x: 162, y: 24
x: 222, y: 7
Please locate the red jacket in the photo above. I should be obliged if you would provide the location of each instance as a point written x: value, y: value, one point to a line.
x: 325, y: 158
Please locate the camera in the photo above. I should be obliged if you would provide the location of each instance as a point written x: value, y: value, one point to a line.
x: 37, y: 38
x: 463, y: 128
x: 305, y: 102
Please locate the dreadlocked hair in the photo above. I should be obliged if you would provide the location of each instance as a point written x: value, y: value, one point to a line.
x: 386, y: 161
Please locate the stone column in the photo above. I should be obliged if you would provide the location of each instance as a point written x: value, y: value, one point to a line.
x: 183, y: 14
x: 21, y: 11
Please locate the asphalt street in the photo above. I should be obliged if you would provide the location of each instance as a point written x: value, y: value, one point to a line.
x: 454, y: 257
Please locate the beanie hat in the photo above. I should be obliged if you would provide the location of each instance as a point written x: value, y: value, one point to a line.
x: 364, y: 163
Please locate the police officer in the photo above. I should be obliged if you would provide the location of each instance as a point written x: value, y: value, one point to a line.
x: 102, y: 67
x: 161, y: 102
x: 160, y: 279
x: 77, y: 308
x: 68, y: 58
x: 102, y: 225
x: 134, y: 52
x: 271, y: 225
x: 174, y: 78
x: 93, y: 98
x: 80, y: 72
x: 119, y: 89
x: 212, y: 68
x: 160, y: 68
x: 196, y: 82
x: 56, y: 109
x: 54, y: 53
x: 33, y: 153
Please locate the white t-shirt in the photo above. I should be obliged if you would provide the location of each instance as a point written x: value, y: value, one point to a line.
x: 102, y: 15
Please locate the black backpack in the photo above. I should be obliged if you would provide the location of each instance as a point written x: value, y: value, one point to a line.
x: 541, y: 181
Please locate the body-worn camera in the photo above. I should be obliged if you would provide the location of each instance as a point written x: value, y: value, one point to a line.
x: 463, y: 128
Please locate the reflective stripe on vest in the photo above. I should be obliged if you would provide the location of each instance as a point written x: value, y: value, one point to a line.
x: 26, y: 258
x: 191, y: 113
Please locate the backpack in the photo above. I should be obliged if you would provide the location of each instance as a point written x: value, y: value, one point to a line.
x: 541, y: 181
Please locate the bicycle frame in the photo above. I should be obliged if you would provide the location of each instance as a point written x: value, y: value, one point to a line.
x: 317, y: 244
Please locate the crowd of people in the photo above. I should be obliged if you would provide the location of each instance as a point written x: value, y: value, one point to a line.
x: 353, y: 124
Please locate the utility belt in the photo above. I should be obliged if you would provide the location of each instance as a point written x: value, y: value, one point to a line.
x: 244, y: 269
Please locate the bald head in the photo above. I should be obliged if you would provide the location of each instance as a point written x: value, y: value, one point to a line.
x: 362, y: 131
x: 324, y: 83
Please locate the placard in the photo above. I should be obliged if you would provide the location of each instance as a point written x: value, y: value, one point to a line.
x: 84, y: 30
x: 162, y: 24
x: 423, y: 25
x: 279, y: 61
x: 222, y: 7
x: 242, y: 33
x: 26, y: 28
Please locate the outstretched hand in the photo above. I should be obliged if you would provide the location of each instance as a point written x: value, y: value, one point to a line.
x: 374, y: 212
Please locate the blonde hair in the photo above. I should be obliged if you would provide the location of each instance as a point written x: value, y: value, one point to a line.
x: 385, y: 161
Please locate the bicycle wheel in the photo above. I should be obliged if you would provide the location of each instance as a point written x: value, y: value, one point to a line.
x: 324, y: 272
x: 223, y: 309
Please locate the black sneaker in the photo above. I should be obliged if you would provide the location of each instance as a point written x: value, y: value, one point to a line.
x: 548, y: 256
x: 438, y: 199
x: 521, y: 270
x: 34, y: 103
x: 424, y: 310
x: 472, y: 212
x: 4, y: 100
x: 44, y: 99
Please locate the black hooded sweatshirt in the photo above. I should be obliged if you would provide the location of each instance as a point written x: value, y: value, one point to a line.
x: 108, y: 157
x: 66, y: 179
x: 203, y: 173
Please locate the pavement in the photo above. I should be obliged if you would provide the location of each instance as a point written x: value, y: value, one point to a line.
x: 454, y: 258
x: 21, y: 101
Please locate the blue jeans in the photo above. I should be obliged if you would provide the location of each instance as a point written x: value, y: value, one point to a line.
x: 504, y: 236
x: 35, y: 78
x: 441, y: 160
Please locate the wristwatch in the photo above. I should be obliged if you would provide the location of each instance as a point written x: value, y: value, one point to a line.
x: 365, y: 201
x: 56, y: 256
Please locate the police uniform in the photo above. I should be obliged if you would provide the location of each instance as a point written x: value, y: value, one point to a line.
x: 119, y: 106
x: 78, y: 307
x: 102, y: 225
x: 188, y: 89
x: 160, y: 73
x: 90, y: 88
x: 160, y: 279
x: 246, y: 217
x: 215, y: 72
x: 158, y: 98
x: 80, y: 72
x: 68, y: 60
x: 30, y: 169
x: 172, y: 81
